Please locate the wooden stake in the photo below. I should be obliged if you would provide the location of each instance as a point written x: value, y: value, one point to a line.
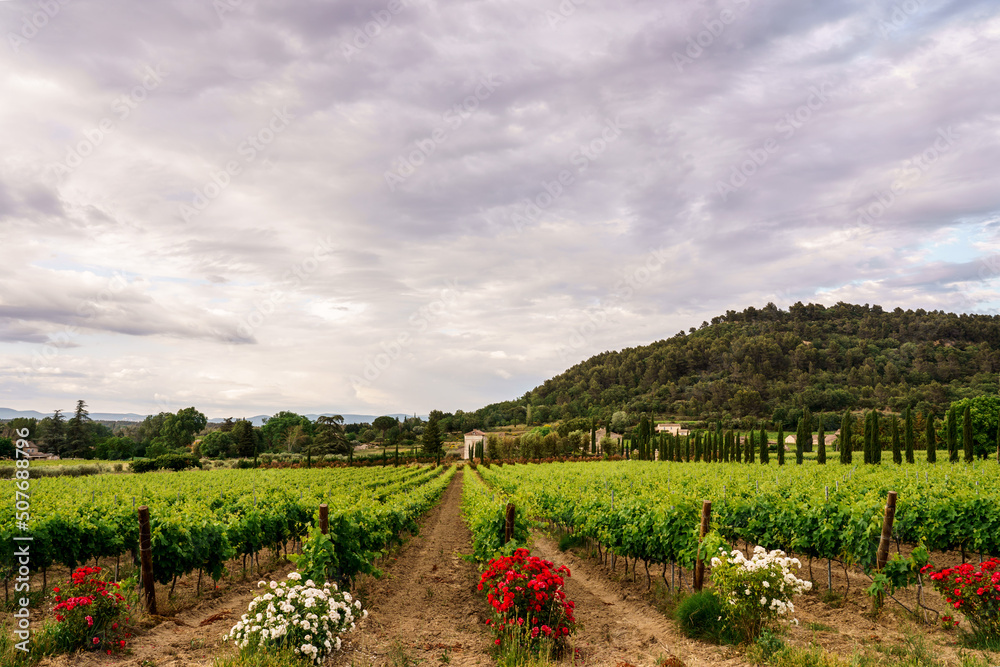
x: 508, y: 527
x: 882, y: 557
x: 146, y: 557
x: 699, y: 568
x: 324, y: 519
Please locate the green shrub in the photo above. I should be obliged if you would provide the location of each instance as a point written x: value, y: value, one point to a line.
x: 700, y: 617
x: 177, y: 462
x: 143, y: 465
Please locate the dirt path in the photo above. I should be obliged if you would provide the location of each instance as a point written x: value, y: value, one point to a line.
x: 617, y: 627
x: 425, y: 610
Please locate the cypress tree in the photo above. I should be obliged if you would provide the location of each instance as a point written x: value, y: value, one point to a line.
x: 930, y: 438
x: 820, y: 445
x: 908, y: 435
x: 967, y: 434
x: 998, y: 440
x: 764, y: 454
x: 800, y: 440
x: 748, y: 454
x: 951, y: 432
x: 781, y: 444
x: 897, y: 453
x: 593, y: 435
x: 876, y: 439
x: 846, y: 446
x: 869, y: 457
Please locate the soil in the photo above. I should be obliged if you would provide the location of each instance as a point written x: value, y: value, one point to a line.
x: 617, y: 625
x: 425, y: 609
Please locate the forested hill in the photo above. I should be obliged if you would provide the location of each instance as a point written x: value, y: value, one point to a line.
x: 770, y: 363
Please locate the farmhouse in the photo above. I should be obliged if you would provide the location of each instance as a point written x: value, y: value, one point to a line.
x: 33, y: 453
x: 473, y: 438
x: 671, y: 428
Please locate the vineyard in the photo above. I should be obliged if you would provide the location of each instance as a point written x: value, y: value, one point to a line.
x: 650, y: 511
x: 200, y: 520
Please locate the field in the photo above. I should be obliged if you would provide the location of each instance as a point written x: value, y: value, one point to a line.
x: 631, y: 529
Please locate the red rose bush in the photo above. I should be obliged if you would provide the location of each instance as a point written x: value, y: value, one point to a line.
x: 529, y: 604
x: 973, y: 590
x: 91, y: 613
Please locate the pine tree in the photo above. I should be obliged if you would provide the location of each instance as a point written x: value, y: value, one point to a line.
x: 967, y: 434
x: 821, y: 445
x: 77, y: 440
x: 781, y: 444
x: 430, y: 439
x: 897, y: 453
x: 765, y: 456
x: 908, y: 439
x: 846, y: 446
x: 930, y: 438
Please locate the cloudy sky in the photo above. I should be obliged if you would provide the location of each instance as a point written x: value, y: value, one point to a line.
x: 388, y: 206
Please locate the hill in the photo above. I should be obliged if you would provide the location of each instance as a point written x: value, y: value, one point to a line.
x: 771, y: 364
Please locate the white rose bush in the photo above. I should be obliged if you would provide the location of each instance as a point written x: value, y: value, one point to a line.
x: 303, y: 617
x: 758, y: 591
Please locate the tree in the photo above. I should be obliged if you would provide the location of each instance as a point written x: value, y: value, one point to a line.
x: 908, y: 438
x: 77, y: 442
x: 800, y: 440
x: 383, y: 424
x: 764, y: 454
x: 821, y: 445
x: 115, y: 448
x: 951, y: 433
x: 967, y: 443
x: 218, y: 444
x: 52, y: 434
x: 274, y: 432
x: 331, y: 438
x: 846, y: 446
x: 179, y: 429
x: 897, y: 453
x: 781, y: 445
x: 430, y: 440
x: 930, y: 438
x: 984, y: 410
x: 7, y: 448
x: 245, y: 439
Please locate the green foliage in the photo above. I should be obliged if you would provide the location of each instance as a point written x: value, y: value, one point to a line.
x: 318, y: 559
x: 143, y: 465
x: 700, y: 616
x: 218, y: 445
x: 176, y: 462
x: 825, y: 359
x: 484, y: 511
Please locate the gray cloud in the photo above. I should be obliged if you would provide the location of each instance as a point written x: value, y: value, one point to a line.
x: 303, y: 249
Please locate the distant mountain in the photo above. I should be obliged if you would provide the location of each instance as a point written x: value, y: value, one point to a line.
x: 257, y: 420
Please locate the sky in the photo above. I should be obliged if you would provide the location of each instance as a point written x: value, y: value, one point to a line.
x: 398, y: 206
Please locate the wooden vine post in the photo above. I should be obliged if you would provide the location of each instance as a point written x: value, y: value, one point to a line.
x: 508, y: 524
x: 699, y: 567
x: 324, y: 519
x: 146, y: 559
x: 882, y: 557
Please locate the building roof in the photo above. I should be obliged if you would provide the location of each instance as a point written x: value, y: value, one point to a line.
x: 475, y: 431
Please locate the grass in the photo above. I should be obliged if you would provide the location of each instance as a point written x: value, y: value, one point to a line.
x: 821, y: 627
x: 271, y: 658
